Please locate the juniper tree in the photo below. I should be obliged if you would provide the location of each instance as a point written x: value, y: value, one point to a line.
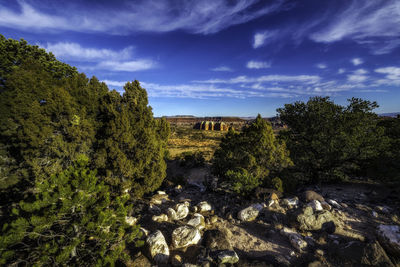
x: 251, y: 158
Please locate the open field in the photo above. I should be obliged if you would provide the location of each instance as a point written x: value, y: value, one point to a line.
x: 186, y: 139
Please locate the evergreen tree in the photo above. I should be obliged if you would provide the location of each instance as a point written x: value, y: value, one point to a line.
x: 251, y: 158
x: 70, y: 221
x: 328, y: 141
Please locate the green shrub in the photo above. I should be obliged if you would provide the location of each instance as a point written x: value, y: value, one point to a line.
x: 250, y: 158
x: 191, y: 159
x: 70, y: 221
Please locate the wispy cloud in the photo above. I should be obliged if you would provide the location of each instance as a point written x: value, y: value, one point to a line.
x: 364, y: 22
x: 357, y: 61
x: 260, y: 38
x: 341, y: 71
x: 195, y: 16
x: 309, y: 79
x: 321, y: 66
x: 114, y: 83
x: 222, y: 69
x: 76, y: 52
x: 128, y: 66
x: 392, y: 76
x: 252, y: 64
x: 358, y: 76
x: 101, y: 58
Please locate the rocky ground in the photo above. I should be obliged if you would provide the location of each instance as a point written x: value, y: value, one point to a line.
x: 204, y: 224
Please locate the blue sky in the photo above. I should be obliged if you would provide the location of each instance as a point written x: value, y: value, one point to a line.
x: 223, y: 57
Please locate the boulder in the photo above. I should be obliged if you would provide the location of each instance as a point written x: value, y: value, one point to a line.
x: 389, y: 236
x: 309, y: 221
x: 185, y: 236
x: 197, y: 221
x: 227, y: 256
x: 160, y: 218
x: 316, y: 205
x: 204, y: 206
x: 295, y: 239
x: 158, y: 247
x: 310, y: 195
x: 326, y: 206
x: 216, y: 239
x: 250, y: 213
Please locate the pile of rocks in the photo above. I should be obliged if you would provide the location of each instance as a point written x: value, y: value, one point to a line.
x: 316, y: 229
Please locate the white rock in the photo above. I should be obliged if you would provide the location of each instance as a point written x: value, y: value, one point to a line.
x: 316, y: 205
x: 185, y: 236
x: 161, y: 192
x: 204, y: 206
x: 295, y: 239
x: 374, y: 214
x: 227, y: 256
x: 160, y: 218
x: 158, y: 247
x: 250, y: 213
x: 334, y: 203
x: 197, y: 221
x: 181, y: 210
x: 171, y: 214
x: 130, y: 220
x: 389, y: 236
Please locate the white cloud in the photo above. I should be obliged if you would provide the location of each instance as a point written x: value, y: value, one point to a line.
x: 114, y: 83
x: 356, y: 78
x: 260, y: 38
x: 308, y: 79
x: 360, y: 72
x: 392, y: 73
x: 252, y: 64
x: 321, y: 66
x: 364, y: 22
x: 341, y: 71
x: 222, y: 68
x: 195, y: 16
x: 75, y: 51
x: 357, y: 61
x: 129, y: 66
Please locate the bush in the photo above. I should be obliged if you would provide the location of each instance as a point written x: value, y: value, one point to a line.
x: 191, y: 159
x: 71, y: 221
x: 250, y: 158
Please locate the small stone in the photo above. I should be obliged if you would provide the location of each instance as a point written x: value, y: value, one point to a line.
x: 181, y: 210
x: 160, y: 218
x: 320, y: 252
x: 292, y: 253
x: 295, y: 239
x: 130, y: 220
x: 185, y: 236
x: 274, y: 196
x: 158, y: 247
x: 374, y: 214
x: 291, y: 202
x: 310, y: 195
x: 197, y: 221
x: 161, y: 192
x: 344, y: 205
x: 145, y: 232
x: 334, y: 203
x: 227, y: 256
x: 250, y: 213
x: 316, y: 205
x: 171, y: 214
x: 204, y: 206
x: 176, y: 260
x: 178, y: 189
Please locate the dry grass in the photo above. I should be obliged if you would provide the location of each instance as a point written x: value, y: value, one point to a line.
x: 186, y: 139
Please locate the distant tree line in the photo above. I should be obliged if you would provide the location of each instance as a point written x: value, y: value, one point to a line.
x: 73, y: 155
